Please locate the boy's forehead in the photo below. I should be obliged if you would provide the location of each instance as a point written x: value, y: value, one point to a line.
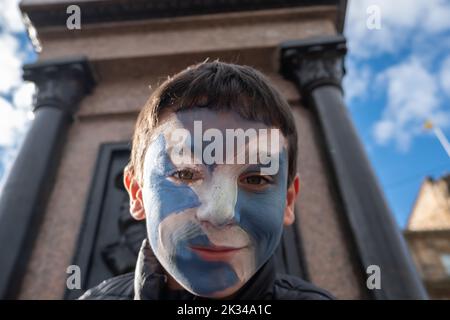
x: 209, y: 119
x: 216, y: 119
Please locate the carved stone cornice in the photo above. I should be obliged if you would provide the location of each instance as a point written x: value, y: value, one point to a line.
x: 60, y: 83
x: 97, y: 11
x: 315, y: 62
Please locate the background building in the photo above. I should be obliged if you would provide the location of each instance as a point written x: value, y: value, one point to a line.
x: 64, y: 203
x: 428, y: 235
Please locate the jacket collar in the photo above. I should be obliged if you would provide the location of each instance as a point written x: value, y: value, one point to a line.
x: 150, y: 281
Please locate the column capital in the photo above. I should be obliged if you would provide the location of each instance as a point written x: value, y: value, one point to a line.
x: 60, y: 83
x: 313, y: 62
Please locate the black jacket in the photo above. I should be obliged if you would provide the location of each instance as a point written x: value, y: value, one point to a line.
x: 148, y: 282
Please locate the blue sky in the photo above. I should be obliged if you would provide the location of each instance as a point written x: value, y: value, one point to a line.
x: 397, y: 77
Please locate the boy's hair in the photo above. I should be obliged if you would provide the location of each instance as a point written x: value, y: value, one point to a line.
x: 217, y: 86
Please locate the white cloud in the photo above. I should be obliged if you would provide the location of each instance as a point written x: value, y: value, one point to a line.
x: 12, y: 123
x: 11, y: 74
x: 356, y: 81
x: 400, y: 20
x: 444, y: 76
x: 412, y: 98
x: 10, y: 16
x: 23, y: 96
x: 384, y: 130
x: 437, y: 17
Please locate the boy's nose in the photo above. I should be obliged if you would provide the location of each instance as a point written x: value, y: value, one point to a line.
x: 218, y: 209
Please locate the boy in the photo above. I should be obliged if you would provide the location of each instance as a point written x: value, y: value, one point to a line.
x: 213, y: 172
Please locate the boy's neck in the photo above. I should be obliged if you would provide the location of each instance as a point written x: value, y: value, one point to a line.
x: 172, y: 283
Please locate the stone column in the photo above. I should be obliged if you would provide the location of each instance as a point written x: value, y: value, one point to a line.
x: 61, y: 85
x: 316, y: 68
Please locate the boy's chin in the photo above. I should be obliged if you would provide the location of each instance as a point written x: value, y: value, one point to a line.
x: 227, y: 293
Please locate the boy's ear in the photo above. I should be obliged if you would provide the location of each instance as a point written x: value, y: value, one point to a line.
x: 291, y: 196
x: 135, y: 192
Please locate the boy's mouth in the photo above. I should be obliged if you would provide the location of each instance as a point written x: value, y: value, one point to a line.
x: 215, y: 253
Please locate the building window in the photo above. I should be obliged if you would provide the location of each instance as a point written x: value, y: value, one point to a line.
x: 445, y: 259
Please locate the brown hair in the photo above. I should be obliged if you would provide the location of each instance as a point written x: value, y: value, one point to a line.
x: 217, y: 86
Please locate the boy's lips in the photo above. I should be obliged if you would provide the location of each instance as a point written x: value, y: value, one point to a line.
x: 215, y: 253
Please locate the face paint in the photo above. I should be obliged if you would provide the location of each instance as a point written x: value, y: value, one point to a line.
x: 213, y: 231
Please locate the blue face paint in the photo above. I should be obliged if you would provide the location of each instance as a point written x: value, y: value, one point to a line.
x: 186, y: 221
x: 165, y: 198
x: 262, y: 213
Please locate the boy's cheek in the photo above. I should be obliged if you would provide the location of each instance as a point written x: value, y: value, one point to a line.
x: 261, y: 215
x: 163, y: 202
x: 262, y: 219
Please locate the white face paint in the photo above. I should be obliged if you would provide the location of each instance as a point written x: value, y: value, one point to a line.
x: 208, y: 226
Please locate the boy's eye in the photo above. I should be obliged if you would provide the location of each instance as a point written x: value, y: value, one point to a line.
x: 255, y: 180
x: 184, y: 174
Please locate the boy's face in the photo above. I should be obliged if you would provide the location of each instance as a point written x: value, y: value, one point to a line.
x: 213, y: 219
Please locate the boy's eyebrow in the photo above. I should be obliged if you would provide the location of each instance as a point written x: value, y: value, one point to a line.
x: 254, y: 167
